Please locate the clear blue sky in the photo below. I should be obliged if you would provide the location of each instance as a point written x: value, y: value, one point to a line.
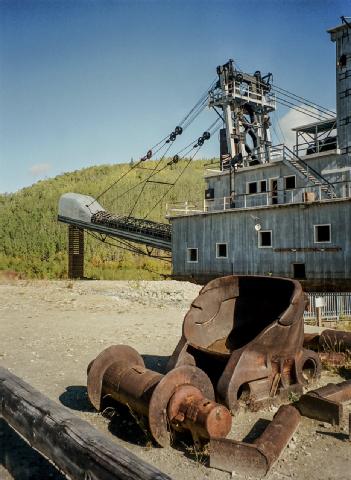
x: 90, y: 82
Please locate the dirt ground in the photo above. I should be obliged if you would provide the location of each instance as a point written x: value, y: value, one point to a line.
x: 51, y: 330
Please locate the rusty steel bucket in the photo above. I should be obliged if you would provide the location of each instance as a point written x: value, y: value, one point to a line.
x: 247, y: 334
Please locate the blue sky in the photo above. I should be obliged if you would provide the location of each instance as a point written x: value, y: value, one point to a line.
x: 90, y: 82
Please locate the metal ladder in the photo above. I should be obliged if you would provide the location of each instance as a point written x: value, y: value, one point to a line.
x: 306, y: 171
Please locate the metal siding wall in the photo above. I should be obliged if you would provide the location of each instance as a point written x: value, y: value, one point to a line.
x: 292, y: 227
x: 279, y: 170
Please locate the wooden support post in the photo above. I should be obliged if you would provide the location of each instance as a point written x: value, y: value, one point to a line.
x: 319, y: 303
x: 319, y: 316
x: 75, y: 252
x: 73, y: 445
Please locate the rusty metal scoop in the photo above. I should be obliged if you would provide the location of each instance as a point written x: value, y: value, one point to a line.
x: 247, y: 333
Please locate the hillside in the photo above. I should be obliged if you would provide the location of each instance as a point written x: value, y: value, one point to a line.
x: 34, y: 244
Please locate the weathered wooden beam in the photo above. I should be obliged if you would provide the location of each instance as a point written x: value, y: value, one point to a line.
x: 73, y: 445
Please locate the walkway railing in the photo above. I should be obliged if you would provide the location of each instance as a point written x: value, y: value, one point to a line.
x: 260, y: 199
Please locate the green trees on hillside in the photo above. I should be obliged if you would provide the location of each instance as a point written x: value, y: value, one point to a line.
x: 34, y: 243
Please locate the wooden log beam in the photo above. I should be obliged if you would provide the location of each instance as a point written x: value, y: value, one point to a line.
x: 73, y: 445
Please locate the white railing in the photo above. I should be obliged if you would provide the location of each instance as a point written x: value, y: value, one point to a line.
x: 191, y: 208
x: 242, y: 91
x: 183, y: 208
x: 260, y: 199
x: 337, y: 306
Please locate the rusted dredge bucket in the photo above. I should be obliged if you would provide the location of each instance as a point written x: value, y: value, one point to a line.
x: 247, y: 333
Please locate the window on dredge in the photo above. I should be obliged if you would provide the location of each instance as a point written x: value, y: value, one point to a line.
x: 322, y: 233
x: 342, y: 60
x: 265, y: 239
x: 252, y: 187
x: 290, y: 182
x: 192, y: 255
x: 221, y: 250
x: 263, y: 185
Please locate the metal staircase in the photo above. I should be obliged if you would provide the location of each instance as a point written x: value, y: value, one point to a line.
x: 307, y: 172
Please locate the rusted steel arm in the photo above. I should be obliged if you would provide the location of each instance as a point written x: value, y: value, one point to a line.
x: 326, y: 403
x: 256, y: 458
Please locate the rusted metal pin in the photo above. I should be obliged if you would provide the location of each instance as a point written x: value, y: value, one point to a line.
x: 183, y: 399
x: 256, y: 458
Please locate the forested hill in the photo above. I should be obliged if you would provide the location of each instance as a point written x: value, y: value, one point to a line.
x: 33, y: 243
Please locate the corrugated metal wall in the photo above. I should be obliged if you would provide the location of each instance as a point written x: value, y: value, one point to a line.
x: 292, y: 227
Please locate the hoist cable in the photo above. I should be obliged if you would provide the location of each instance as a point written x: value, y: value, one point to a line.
x: 188, y: 148
x: 281, y: 138
x: 202, y: 99
x: 311, y: 110
x: 288, y: 104
x: 170, y: 188
x: 189, y: 118
x: 115, y: 182
x: 149, y: 176
x: 213, y: 127
x: 307, y: 102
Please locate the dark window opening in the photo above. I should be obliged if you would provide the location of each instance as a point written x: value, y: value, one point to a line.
x: 274, y: 191
x: 209, y: 193
x: 192, y: 255
x: 252, y: 188
x: 322, y: 233
x: 222, y: 250
x: 290, y: 182
x: 342, y: 60
x: 299, y: 270
x: 263, y: 185
x: 265, y: 238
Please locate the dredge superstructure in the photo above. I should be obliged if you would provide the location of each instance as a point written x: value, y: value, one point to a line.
x: 269, y: 209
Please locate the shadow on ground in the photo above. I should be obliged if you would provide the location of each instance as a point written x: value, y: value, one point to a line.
x: 20, y: 460
x: 76, y: 398
x: 157, y: 363
x: 338, y: 435
x: 257, y: 430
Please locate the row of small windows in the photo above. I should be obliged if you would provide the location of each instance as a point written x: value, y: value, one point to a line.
x: 221, y: 252
x: 261, y: 186
x: 322, y: 234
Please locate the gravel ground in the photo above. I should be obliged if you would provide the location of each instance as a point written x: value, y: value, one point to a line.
x: 51, y: 330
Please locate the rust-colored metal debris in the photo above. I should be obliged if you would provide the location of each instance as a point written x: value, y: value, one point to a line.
x: 329, y: 340
x: 333, y: 359
x: 256, y: 458
x: 247, y: 333
x: 326, y: 403
x: 183, y: 399
x: 332, y: 346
